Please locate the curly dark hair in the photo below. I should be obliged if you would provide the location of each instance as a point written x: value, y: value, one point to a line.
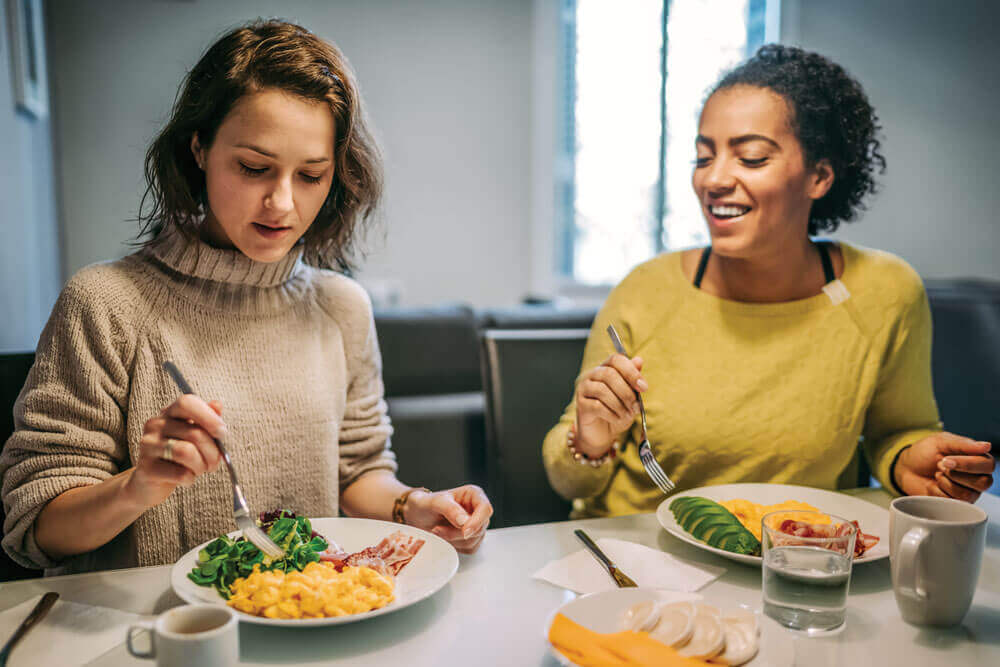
x: 258, y: 55
x: 832, y: 119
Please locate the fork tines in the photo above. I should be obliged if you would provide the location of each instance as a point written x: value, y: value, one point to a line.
x: 654, y: 470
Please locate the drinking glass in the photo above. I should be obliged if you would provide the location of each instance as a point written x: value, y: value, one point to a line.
x: 806, y: 570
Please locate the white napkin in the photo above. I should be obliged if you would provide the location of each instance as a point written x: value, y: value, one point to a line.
x: 69, y: 629
x: 649, y: 568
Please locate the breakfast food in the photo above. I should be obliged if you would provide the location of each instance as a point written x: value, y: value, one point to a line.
x: 697, y: 630
x: 750, y: 513
x: 713, y: 524
x: 315, y: 578
x: 318, y: 591
x: 664, y: 635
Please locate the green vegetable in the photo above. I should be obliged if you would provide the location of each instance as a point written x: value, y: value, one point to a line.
x: 225, y: 560
x: 713, y: 524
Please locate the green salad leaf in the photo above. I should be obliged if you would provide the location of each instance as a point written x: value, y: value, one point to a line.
x: 225, y: 560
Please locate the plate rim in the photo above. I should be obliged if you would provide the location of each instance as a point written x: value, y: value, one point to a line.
x: 663, y: 511
x: 179, y: 574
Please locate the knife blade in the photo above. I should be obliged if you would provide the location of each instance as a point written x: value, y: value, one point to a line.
x: 622, y: 580
x: 36, y: 615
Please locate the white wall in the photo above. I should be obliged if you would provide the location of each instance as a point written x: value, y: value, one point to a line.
x: 447, y: 83
x: 931, y: 68
x: 29, y: 249
x: 458, y: 90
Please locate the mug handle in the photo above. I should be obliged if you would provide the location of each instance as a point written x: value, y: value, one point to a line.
x: 141, y: 625
x: 909, y: 554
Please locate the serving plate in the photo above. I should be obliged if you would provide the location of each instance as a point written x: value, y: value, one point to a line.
x: 429, y: 571
x: 873, y: 519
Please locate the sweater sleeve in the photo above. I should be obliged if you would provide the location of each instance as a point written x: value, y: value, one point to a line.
x: 365, y: 430
x: 567, y: 476
x: 903, y: 409
x: 69, y: 419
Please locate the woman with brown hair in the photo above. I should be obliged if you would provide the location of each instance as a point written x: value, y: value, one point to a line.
x: 258, y: 186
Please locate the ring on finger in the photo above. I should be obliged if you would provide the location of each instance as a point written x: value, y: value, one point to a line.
x: 168, y: 449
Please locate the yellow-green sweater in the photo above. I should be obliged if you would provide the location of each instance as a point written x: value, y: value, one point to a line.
x: 751, y: 392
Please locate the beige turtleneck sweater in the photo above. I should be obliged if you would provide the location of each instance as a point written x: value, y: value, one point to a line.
x: 289, y: 350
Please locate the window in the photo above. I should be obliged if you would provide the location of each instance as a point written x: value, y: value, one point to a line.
x: 634, y: 77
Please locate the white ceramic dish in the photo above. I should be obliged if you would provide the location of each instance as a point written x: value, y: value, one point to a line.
x: 873, y: 519
x: 603, y: 612
x: 429, y: 571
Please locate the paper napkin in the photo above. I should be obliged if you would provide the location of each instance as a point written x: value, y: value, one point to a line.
x: 649, y: 568
x: 69, y: 629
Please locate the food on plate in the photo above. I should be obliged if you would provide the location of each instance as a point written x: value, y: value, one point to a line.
x: 698, y: 630
x: 862, y: 543
x: 713, y: 524
x: 225, y: 560
x: 315, y: 578
x: 587, y: 648
x: 318, y: 591
x: 750, y: 513
x: 659, y: 633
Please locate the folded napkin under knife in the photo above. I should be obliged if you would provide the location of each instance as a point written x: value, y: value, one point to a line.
x: 70, y: 634
x: 649, y: 568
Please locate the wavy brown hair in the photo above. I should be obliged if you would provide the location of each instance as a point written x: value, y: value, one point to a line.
x: 261, y: 55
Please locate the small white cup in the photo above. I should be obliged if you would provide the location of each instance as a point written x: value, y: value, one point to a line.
x: 199, y: 634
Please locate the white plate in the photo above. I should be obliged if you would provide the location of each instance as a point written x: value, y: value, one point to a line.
x: 433, y: 567
x: 873, y: 519
x: 603, y: 612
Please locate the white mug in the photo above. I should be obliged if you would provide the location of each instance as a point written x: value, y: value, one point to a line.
x: 935, y: 550
x: 200, y: 634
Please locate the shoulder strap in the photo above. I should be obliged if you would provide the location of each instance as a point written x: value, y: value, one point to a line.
x: 824, y: 254
x: 702, y: 263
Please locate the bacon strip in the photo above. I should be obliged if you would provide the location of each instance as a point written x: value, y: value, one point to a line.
x: 388, y: 557
x: 862, y: 543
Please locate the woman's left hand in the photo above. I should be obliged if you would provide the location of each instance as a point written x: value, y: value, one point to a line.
x: 945, y: 464
x: 459, y: 515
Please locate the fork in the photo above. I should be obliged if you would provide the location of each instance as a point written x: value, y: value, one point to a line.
x: 241, y: 511
x: 653, y: 468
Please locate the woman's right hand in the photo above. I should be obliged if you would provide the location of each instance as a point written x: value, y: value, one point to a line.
x: 606, y: 403
x: 176, y: 447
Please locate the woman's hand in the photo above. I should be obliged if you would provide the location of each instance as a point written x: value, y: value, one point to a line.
x: 945, y: 464
x: 459, y: 515
x: 176, y: 447
x: 606, y: 403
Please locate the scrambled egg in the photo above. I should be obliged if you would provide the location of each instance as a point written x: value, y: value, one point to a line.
x: 316, y: 592
x: 750, y: 514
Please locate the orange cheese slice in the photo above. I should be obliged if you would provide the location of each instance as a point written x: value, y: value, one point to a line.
x: 620, y: 649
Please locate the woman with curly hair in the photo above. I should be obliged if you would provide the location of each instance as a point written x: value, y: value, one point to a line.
x: 765, y: 356
x: 257, y: 186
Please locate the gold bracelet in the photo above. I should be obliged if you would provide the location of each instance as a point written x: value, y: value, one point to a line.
x: 582, y: 458
x: 399, y: 505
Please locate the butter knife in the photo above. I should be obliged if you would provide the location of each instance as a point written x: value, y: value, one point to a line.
x: 36, y: 615
x: 621, y: 579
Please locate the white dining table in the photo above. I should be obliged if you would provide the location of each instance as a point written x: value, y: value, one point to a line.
x: 494, y: 613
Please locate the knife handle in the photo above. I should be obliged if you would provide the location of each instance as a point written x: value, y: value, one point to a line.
x: 593, y: 548
x: 36, y: 615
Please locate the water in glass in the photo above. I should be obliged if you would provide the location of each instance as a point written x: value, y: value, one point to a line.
x: 805, y: 580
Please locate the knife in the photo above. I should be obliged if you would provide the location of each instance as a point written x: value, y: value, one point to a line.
x: 36, y: 615
x: 621, y: 579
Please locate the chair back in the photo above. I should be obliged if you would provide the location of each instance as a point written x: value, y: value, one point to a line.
x: 528, y: 378
x: 14, y: 369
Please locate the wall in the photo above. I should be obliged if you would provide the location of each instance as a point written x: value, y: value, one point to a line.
x: 447, y: 84
x: 29, y: 244
x: 931, y: 69
x: 461, y: 93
